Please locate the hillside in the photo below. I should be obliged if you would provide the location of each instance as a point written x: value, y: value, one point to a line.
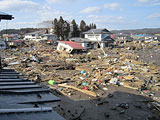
x: 138, y: 31
x: 21, y: 31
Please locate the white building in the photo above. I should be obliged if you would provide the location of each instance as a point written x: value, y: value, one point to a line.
x: 33, y: 36
x: 95, y: 38
x: 98, y: 35
x: 40, y: 36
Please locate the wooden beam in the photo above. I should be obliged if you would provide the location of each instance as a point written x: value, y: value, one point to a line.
x: 80, y: 90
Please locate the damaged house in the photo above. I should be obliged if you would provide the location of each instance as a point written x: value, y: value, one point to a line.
x: 70, y: 47
x: 95, y: 38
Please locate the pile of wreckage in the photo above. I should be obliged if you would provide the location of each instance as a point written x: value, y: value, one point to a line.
x: 90, y: 73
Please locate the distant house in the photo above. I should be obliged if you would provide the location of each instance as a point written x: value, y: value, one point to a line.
x: 157, y: 38
x: 122, y: 38
x: 16, y: 43
x: 10, y: 37
x: 144, y: 36
x: 70, y: 47
x: 33, y: 36
x: 2, y: 45
x: 40, y: 36
x: 95, y: 38
x: 50, y: 37
x: 4, y: 16
x: 98, y: 35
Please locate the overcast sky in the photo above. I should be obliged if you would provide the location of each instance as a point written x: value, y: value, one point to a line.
x: 110, y: 14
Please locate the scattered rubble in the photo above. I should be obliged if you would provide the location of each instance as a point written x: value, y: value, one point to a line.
x: 91, y: 73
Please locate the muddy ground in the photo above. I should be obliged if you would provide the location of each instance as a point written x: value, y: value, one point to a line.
x: 117, y: 103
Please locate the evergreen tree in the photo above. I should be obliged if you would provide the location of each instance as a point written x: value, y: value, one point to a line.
x: 88, y: 27
x: 82, y: 26
x: 61, y: 27
x: 56, y: 27
x: 66, y: 29
x: 94, y: 26
x: 75, y: 32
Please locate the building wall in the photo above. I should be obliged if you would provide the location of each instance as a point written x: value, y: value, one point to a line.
x: 32, y: 37
x: 92, y: 37
x: 29, y: 37
x: 49, y: 37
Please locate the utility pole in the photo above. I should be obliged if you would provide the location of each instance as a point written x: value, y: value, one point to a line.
x: 4, y: 16
x: 100, y: 44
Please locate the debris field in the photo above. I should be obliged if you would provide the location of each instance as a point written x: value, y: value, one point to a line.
x: 124, y: 84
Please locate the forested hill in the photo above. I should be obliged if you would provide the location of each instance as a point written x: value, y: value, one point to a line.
x: 134, y: 31
x: 138, y: 31
x: 18, y: 31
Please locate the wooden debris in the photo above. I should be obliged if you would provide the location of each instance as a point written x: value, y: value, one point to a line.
x: 80, y: 90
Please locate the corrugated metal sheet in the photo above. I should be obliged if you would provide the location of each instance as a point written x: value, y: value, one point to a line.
x: 22, y: 99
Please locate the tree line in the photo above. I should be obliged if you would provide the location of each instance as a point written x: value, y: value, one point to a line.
x: 63, y: 29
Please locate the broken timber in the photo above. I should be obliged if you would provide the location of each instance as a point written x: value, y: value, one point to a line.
x: 93, y: 94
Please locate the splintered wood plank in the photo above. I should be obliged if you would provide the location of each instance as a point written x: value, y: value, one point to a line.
x: 80, y: 90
